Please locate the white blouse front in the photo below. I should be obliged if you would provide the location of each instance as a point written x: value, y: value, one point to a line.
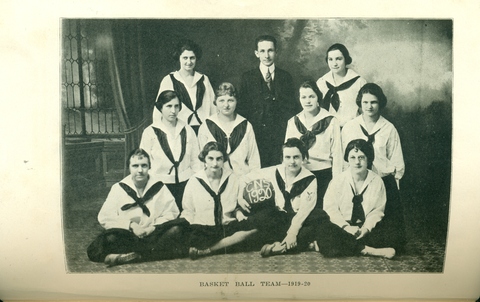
x: 161, y: 165
x: 348, y: 108
x: 245, y: 158
x: 327, y: 150
x: 207, y: 108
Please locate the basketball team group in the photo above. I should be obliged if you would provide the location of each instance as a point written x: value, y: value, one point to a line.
x: 265, y: 167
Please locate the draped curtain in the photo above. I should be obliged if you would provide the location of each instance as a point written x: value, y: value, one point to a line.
x: 127, y: 81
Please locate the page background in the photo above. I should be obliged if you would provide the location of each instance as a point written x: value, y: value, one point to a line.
x: 32, y: 264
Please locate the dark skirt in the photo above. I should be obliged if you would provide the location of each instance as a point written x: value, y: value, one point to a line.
x: 393, y: 223
x: 165, y: 242
x: 205, y: 236
x: 323, y: 179
x: 177, y: 192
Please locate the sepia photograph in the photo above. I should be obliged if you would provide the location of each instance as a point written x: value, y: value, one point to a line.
x: 179, y: 150
x: 260, y: 89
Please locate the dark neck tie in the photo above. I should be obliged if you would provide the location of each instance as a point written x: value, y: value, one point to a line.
x: 184, y: 97
x: 331, y: 97
x: 309, y: 137
x: 358, y: 215
x: 235, y: 139
x: 140, y: 201
x: 268, y: 79
x: 218, y: 209
x: 162, y: 139
x: 297, y: 189
x: 370, y: 137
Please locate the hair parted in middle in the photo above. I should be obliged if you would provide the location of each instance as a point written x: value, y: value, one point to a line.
x: 373, y: 89
x: 365, y: 147
x: 165, y: 97
x: 212, y: 146
x: 343, y: 50
x: 187, y: 44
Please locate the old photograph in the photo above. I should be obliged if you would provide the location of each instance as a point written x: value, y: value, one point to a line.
x: 256, y: 146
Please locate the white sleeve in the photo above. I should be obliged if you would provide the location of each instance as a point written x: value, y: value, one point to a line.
x: 209, y: 97
x: 253, y: 155
x: 108, y: 216
x: 188, y: 203
x: 378, y: 209
x: 395, y: 154
x: 203, y: 135
x: 192, y: 143
x: 308, y: 199
x: 291, y: 130
x: 170, y: 210
x: 336, y: 153
x: 331, y: 203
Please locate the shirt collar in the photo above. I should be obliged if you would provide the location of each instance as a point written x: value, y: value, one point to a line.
x: 196, y: 77
x: 320, y: 116
x: 350, y: 75
x: 151, y: 181
x: 203, y: 175
x: 263, y: 69
x: 158, y: 123
x: 301, y: 175
x: 214, y: 118
x: 380, y: 122
x: 368, y: 180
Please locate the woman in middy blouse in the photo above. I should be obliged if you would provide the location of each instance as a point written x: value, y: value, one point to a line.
x: 319, y: 130
x: 231, y: 130
x: 193, y: 88
x: 172, y: 145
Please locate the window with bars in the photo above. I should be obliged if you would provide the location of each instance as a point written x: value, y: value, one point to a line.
x: 87, y: 99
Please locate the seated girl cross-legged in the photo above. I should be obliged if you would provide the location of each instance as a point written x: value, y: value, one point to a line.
x: 355, y: 202
x: 210, y: 205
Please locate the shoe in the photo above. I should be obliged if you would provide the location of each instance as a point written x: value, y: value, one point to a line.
x: 275, y: 248
x: 195, y: 253
x: 387, y: 252
x: 117, y: 259
x: 313, y: 247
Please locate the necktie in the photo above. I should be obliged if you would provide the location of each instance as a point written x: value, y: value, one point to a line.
x: 184, y: 97
x: 268, y: 78
x: 331, y: 97
x: 309, y: 137
x: 297, y: 189
x: 370, y: 137
x: 162, y: 139
x: 358, y: 215
x: 140, y: 201
x: 218, y: 210
x: 230, y: 143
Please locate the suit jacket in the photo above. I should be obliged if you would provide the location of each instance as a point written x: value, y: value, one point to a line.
x: 264, y: 107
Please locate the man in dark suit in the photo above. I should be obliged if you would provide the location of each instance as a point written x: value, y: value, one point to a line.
x: 267, y: 101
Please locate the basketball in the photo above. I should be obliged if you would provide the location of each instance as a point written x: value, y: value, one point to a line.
x: 259, y: 193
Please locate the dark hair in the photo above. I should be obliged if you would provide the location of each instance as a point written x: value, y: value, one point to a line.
x: 343, y: 50
x: 363, y: 146
x: 187, y: 44
x: 225, y: 89
x: 372, y: 89
x: 212, y: 146
x: 165, y: 97
x: 140, y: 153
x: 312, y: 85
x: 265, y: 38
x: 294, y: 142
